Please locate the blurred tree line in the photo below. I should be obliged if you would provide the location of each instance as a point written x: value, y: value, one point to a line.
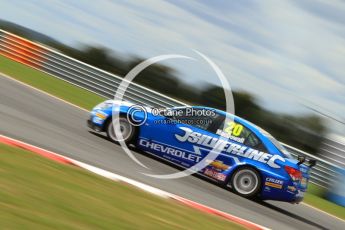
x: 303, y: 132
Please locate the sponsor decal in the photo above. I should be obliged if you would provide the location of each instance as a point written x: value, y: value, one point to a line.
x: 226, y: 146
x: 274, y: 183
x: 229, y: 136
x: 291, y: 188
x: 194, y: 157
x: 101, y: 115
x: 219, y: 165
x: 232, y: 131
x: 215, y: 174
x: 273, y: 180
x: 304, y: 181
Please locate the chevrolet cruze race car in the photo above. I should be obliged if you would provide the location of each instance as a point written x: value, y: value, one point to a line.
x: 250, y: 161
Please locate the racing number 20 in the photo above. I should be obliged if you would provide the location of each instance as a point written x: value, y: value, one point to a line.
x: 233, y: 129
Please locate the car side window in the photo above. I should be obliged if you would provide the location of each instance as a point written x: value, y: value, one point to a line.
x: 238, y: 132
x: 253, y: 141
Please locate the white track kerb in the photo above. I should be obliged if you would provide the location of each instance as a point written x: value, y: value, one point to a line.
x: 115, y: 177
x: 229, y: 103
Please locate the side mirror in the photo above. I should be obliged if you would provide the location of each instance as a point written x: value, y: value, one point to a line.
x: 301, y: 159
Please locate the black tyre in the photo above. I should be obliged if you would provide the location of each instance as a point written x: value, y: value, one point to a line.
x: 127, y: 130
x: 246, y: 182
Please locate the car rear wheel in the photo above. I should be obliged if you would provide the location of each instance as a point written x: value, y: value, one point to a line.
x: 127, y: 130
x: 246, y: 182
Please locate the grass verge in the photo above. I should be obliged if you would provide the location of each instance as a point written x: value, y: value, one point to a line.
x: 50, y: 84
x: 38, y: 193
x: 314, y: 197
x: 87, y: 100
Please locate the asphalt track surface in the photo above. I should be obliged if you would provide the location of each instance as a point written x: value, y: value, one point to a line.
x: 31, y: 116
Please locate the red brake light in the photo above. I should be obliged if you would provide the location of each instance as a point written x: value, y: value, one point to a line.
x: 294, y: 173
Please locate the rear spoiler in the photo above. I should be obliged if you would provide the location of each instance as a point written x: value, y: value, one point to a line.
x: 302, y: 159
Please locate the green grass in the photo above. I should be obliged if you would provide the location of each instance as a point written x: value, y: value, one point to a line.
x: 50, y: 84
x: 86, y: 99
x: 36, y: 193
x: 315, y: 198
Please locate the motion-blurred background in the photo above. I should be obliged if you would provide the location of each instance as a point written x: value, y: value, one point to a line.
x: 284, y: 59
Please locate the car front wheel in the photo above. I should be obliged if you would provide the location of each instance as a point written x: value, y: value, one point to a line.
x: 127, y: 130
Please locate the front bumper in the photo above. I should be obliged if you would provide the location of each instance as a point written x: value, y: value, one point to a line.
x: 93, y: 126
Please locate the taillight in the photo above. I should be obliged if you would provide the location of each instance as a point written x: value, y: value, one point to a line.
x: 294, y: 173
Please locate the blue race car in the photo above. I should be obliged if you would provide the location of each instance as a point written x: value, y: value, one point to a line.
x: 250, y: 161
